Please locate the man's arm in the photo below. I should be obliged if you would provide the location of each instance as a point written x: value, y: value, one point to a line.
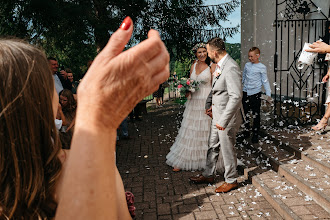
x: 208, y: 103
x: 234, y: 89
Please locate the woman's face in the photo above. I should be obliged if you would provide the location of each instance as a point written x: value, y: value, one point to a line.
x: 70, y: 77
x: 201, y: 54
x: 55, y: 103
x: 63, y: 101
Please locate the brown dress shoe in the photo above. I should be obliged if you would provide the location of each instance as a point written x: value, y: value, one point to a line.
x: 226, y: 187
x: 201, y: 179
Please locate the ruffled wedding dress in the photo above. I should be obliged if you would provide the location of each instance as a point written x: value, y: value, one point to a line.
x: 190, y: 147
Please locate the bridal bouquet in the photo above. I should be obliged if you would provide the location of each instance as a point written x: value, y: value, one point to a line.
x: 187, y: 85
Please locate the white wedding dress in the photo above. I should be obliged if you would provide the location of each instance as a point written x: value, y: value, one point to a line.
x: 190, y: 147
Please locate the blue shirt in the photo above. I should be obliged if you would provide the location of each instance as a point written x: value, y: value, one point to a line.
x: 254, y: 77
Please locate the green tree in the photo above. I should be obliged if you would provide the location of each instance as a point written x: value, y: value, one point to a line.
x: 74, y: 30
x: 234, y: 50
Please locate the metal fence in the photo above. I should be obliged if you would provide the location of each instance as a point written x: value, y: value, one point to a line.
x: 299, y: 93
x: 170, y: 92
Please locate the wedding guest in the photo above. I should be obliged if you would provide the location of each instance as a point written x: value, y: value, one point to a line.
x: 225, y: 103
x: 135, y: 114
x: 323, y: 58
x: 190, y: 147
x: 73, y: 83
x: 254, y: 77
x: 158, y: 95
x: 323, y: 123
x: 60, y: 117
x: 68, y: 104
x: 164, y: 86
x: 122, y: 131
x: 53, y: 64
x: 65, y: 81
x: 33, y: 184
x: 162, y: 94
x: 321, y: 47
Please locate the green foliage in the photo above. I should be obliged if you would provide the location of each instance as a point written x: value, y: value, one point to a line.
x: 234, y: 50
x: 180, y: 101
x: 182, y: 68
x: 73, y: 56
x: 74, y: 30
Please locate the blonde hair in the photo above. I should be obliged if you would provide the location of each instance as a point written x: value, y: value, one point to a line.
x: 255, y: 49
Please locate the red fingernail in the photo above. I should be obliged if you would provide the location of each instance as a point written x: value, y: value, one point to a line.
x: 126, y: 23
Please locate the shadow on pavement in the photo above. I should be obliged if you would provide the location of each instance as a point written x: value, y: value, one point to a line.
x: 161, y: 193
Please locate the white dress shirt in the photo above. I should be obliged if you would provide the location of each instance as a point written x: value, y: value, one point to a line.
x: 58, y: 84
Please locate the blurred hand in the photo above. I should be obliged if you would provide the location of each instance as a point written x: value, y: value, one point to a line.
x: 209, y: 112
x: 116, y: 81
x: 319, y: 47
x: 269, y: 99
x: 219, y: 127
x: 325, y: 78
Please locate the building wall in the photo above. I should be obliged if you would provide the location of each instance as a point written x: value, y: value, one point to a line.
x: 257, y: 17
x: 257, y: 29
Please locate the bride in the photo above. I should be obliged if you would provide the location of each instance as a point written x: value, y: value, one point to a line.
x: 190, y: 147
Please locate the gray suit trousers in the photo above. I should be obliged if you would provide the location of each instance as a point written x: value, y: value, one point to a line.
x: 222, y: 143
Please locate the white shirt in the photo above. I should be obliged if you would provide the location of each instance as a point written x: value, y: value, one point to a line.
x: 221, y: 61
x: 58, y: 124
x: 58, y: 84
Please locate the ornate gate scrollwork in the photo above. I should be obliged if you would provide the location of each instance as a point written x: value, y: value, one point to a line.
x: 299, y: 94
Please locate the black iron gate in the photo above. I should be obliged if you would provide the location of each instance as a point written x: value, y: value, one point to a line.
x: 299, y: 94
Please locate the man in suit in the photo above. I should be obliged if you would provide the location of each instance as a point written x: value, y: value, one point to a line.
x: 53, y: 64
x: 60, y: 82
x: 224, y: 103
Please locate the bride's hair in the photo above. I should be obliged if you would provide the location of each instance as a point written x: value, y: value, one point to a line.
x: 208, y: 61
x: 201, y: 45
x: 197, y: 46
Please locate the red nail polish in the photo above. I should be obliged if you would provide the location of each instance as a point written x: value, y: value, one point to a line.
x: 126, y: 23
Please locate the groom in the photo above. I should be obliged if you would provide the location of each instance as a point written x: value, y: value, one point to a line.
x: 224, y: 103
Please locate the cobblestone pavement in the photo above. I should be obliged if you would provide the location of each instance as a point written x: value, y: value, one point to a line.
x: 161, y: 193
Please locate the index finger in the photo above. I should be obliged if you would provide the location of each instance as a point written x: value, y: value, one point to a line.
x: 153, y: 33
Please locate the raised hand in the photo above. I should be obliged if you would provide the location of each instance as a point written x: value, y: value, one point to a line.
x: 113, y: 85
x: 117, y: 81
x: 319, y: 47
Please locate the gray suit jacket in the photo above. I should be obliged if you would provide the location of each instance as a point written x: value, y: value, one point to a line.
x: 226, y: 94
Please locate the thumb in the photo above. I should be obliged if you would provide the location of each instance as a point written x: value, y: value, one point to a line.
x: 119, y: 39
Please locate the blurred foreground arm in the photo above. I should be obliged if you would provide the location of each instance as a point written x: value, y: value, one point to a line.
x: 113, y: 85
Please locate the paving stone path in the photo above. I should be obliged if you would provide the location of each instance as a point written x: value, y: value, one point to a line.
x: 161, y: 193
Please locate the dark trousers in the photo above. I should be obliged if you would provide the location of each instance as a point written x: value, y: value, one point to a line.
x: 135, y: 113
x: 251, y: 105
